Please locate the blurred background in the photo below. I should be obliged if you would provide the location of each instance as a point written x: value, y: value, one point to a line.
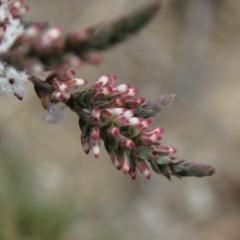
x: 49, y: 189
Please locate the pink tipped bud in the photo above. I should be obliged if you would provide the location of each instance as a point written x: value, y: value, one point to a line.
x: 134, y: 120
x: 50, y: 38
x: 32, y: 31
x: 123, y: 159
x: 120, y: 89
x: 70, y: 74
x: 95, y: 147
x: 18, y: 96
x: 58, y: 96
x: 157, y: 130
x: 118, y: 102
x: 148, y: 140
x: 131, y: 92
x: 118, y: 111
x: 114, y: 131
x: 119, y: 121
x: 95, y: 115
x: 17, y: 4
x: 106, y: 114
x: 133, y: 173
x: 73, y: 60
x: 155, y: 137
x: 81, y: 35
x: 95, y: 133
x: 146, y: 122
x: 103, y: 80
x: 126, y: 143
x: 112, y: 81
x: 115, y: 160
x: 23, y: 10
x: 74, y: 83
x: 93, y: 58
x: 129, y: 113
x: 172, y: 150
x: 105, y: 91
x: 164, y: 149
x: 142, y: 166
x: 133, y: 102
x: 34, y: 66
x: 135, y: 129
x: 85, y: 144
x: 61, y: 87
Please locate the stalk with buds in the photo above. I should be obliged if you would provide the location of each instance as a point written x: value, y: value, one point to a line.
x: 109, y: 114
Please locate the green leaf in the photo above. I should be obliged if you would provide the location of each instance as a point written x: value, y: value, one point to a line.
x: 164, y: 160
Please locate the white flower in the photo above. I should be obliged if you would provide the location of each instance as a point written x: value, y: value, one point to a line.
x: 55, y: 114
x: 11, y: 80
x: 14, y: 28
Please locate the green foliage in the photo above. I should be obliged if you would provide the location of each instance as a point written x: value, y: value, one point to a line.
x: 22, y: 215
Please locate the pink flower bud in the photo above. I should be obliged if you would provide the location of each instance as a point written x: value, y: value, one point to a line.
x: 95, y: 115
x: 126, y: 143
x: 123, y: 159
x: 114, y: 131
x: 115, y: 160
x: 112, y: 81
x: 81, y: 35
x: 106, y: 114
x: 34, y: 66
x: 93, y: 58
x: 74, y: 83
x: 135, y: 129
x: 142, y: 166
x: 70, y: 74
x: 61, y: 87
x: 120, y: 89
x: 164, y: 149
x: 32, y: 31
x: 50, y: 39
x: 95, y: 147
x: 146, y: 122
x: 118, y: 111
x: 17, y: 4
x: 118, y: 102
x: 133, y: 102
x: 157, y: 130
x: 18, y: 96
x: 95, y: 133
x: 73, y: 60
x: 103, y: 80
x: 85, y: 144
x: 58, y: 96
x: 129, y: 113
x: 105, y: 91
x: 148, y: 140
x: 133, y: 173
x: 131, y: 92
x: 134, y: 120
x: 119, y: 121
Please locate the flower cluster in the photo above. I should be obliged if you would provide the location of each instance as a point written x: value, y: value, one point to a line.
x: 60, y: 87
x: 11, y: 79
x: 107, y: 112
x: 111, y: 112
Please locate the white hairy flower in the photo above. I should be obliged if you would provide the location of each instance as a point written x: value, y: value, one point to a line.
x: 11, y: 80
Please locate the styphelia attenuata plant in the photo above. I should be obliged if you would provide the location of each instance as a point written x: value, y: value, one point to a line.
x: 108, y: 112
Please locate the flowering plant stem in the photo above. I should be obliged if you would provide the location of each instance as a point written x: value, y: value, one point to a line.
x: 107, y: 112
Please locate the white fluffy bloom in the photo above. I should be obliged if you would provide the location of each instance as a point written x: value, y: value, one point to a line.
x: 11, y: 80
x: 55, y: 114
